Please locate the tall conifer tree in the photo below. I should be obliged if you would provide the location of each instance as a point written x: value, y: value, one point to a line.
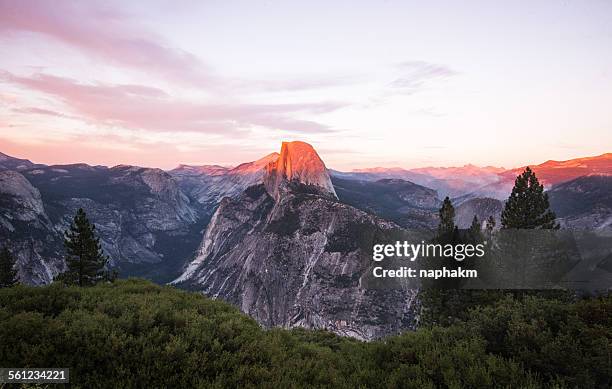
x: 8, y: 273
x: 85, y: 259
x: 446, y: 228
x: 475, y: 231
x: 528, y: 207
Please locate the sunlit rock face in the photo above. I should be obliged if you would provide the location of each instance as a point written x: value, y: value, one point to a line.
x: 289, y: 254
x: 299, y: 163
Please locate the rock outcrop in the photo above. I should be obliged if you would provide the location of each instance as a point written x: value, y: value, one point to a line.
x: 298, y: 163
x: 289, y: 254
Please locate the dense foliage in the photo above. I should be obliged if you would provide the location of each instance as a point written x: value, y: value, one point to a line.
x: 132, y: 333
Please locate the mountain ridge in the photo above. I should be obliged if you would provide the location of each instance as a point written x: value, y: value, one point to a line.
x: 141, y: 212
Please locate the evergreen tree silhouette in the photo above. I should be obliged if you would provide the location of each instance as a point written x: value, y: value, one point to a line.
x: 85, y: 259
x: 446, y: 227
x: 528, y: 206
x: 475, y: 231
x: 8, y: 273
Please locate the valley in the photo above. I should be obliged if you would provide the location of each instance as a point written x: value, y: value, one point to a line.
x: 284, y: 238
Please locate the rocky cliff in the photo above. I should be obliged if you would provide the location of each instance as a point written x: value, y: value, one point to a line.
x: 147, y: 225
x: 27, y: 230
x: 289, y: 254
x: 584, y: 203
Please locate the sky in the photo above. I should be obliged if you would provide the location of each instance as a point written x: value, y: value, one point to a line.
x: 367, y: 83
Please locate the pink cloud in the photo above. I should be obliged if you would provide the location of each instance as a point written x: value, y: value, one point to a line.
x: 105, y: 33
x: 146, y: 108
x: 109, y: 35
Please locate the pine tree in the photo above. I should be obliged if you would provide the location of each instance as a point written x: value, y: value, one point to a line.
x: 528, y: 207
x: 446, y: 228
x: 475, y: 231
x: 85, y: 259
x: 8, y: 273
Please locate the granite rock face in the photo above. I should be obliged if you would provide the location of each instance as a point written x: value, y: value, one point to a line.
x: 297, y: 162
x: 27, y: 230
x: 289, y: 254
x: 482, y: 208
x: 584, y: 203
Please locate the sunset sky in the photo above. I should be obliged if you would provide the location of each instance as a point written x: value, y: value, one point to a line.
x: 378, y: 83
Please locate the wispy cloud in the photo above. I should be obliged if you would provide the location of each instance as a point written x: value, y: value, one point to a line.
x: 296, y: 83
x: 146, y: 108
x: 105, y: 33
x: 108, y: 34
x: 414, y: 75
x: 39, y: 111
x: 408, y: 78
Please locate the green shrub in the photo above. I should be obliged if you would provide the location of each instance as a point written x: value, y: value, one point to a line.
x: 133, y: 333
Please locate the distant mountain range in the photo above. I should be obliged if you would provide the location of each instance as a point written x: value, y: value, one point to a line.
x: 283, y: 238
x: 471, y: 181
x: 142, y: 212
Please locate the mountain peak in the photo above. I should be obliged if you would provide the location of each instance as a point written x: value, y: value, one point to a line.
x: 297, y: 162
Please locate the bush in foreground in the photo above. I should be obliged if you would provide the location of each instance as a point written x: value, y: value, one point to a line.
x: 132, y: 333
